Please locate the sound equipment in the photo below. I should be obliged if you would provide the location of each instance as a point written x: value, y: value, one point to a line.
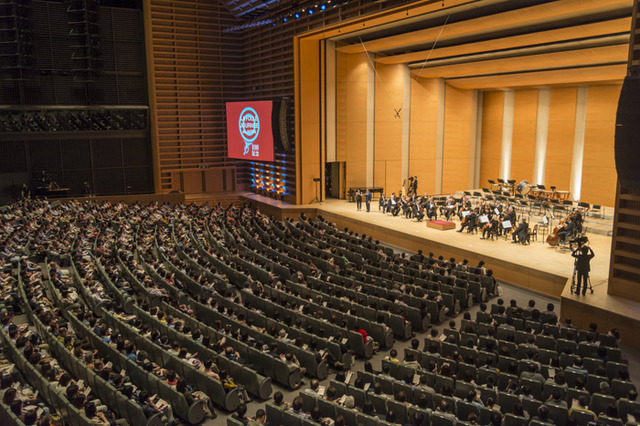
x: 279, y: 121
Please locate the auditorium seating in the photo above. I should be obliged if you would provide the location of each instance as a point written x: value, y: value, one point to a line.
x: 232, y: 275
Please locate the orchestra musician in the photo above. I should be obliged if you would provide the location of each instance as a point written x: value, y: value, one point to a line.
x: 449, y: 207
x: 511, y: 217
x: 520, y: 233
x: 465, y: 205
x: 392, y: 205
x: 431, y: 210
x: 490, y: 227
x: 568, y: 230
x: 367, y: 200
x: 470, y: 221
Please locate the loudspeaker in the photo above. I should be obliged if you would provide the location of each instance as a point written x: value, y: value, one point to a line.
x: 627, y: 141
x: 279, y: 121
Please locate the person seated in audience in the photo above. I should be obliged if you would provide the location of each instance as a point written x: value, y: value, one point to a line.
x: 542, y: 416
x: 577, y: 366
x: 601, y: 354
x: 518, y: 410
x: 446, y: 410
x: 556, y: 398
x: 410, y: 361
x: 531, y: 373
x: 474, y: 398
x: 316, y: 416
x: 278, y: 400
x: 614, y: 332
x: 393, y: 356
x: 549, y: 316
x: 386, y: 371
x: 293, y: 363
x: 313, y: 388
x: 581, y: 406
x: 296, y: 407
x: 241, y: 414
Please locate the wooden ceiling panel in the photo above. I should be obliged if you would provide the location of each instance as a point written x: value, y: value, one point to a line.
x: 569, y: 59
x: 596, y: 29
x: 539, y: 14
x: 573, y: 77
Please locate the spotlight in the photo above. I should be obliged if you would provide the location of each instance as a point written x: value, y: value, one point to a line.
x: 284, y: 19
x: 310, y: 11
x: 297, y: 15
x: 323, y: 6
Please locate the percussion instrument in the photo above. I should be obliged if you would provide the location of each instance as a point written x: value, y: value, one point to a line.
x: 523, y: 187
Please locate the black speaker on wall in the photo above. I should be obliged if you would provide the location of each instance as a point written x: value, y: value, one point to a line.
x: 628, y: 134
x: 279, y: 124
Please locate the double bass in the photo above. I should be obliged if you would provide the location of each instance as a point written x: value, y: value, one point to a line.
x: 553, y: 239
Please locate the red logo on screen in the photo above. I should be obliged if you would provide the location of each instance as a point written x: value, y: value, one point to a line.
x: 249, y: 132
x: 249, y: 126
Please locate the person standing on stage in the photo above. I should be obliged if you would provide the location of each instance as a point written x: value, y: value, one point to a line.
x: 358, y: 200
x: 367, y: 200
x: 583, y: 257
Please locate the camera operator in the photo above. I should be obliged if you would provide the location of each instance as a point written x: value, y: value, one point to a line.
x: 583, y: 257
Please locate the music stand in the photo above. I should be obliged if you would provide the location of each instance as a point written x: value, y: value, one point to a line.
x: 316, y: 199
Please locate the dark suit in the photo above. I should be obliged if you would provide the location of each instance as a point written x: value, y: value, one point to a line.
x: 359, y: 200
x: 367, y: 200
x: 521, y: 232
x: 583, y: 266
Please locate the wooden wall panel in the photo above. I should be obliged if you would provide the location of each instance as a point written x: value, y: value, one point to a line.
x: 309, y: 140
x: 562, y: 115
x: 351, y: 115
x: 423, y: 133
x: 388, y: 127
x: 598, y: 167
x: 524, y: 134
x: 193, y: 67
x: 458, y: 128
x: 492, y: 106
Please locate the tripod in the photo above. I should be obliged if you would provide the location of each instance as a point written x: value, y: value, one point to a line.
x: 316, y: 199
x: 574, y: 278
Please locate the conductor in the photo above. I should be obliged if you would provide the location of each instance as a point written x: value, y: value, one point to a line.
x: 583, y: 257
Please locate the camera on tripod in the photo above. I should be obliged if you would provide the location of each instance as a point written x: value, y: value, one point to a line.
x: 577, y: 243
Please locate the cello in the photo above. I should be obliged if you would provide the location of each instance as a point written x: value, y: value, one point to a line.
x: 553, y: 239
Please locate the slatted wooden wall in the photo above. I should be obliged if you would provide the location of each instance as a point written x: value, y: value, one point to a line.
x: 193, y: 68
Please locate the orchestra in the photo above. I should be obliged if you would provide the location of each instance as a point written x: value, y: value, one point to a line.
x: 490, y: 219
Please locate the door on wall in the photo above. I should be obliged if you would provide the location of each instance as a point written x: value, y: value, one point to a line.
x: 334, y: 179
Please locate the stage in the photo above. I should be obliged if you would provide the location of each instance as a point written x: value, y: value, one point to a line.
x: 537, y: 267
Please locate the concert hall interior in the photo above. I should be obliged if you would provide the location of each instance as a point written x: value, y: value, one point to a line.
x: 207, y: 206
